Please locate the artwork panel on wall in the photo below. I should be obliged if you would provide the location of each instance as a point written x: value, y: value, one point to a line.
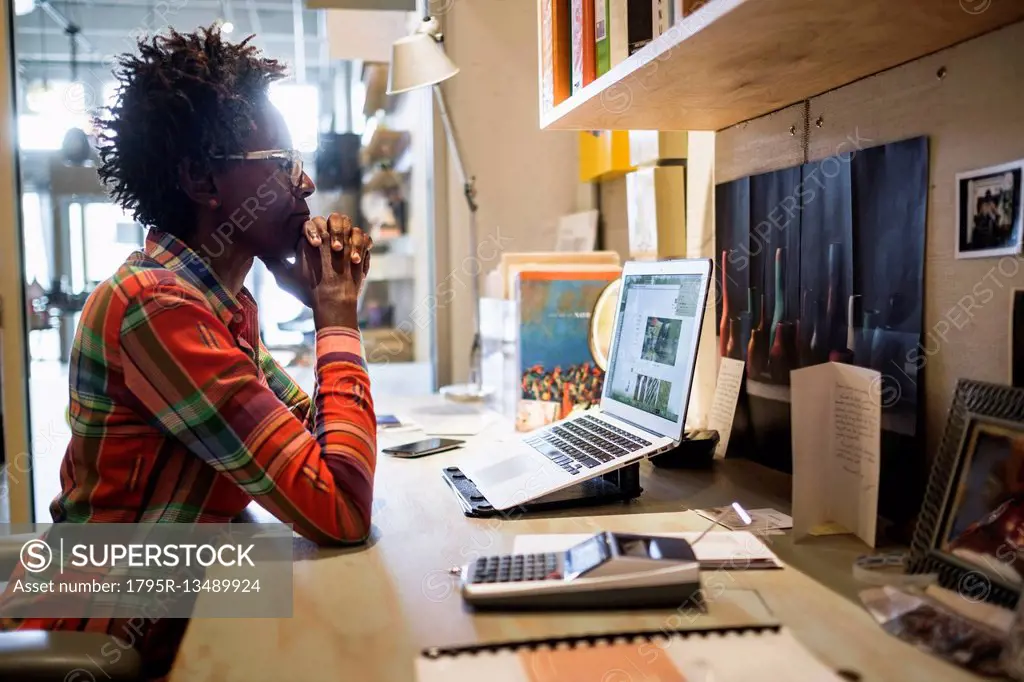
x: 890, y: 189
x: 732, y: 276
x: 840, y: 243
x: 775, y: 251
x: 826, y: 268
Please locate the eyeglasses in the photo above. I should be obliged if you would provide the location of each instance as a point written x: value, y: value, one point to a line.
x: 290, y: 161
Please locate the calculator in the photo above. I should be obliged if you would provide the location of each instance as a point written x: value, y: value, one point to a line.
x: 607, y: 570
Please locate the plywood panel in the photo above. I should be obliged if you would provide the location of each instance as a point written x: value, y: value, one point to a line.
x: 13, y: 396
x: 974, y: 117
x: 761, y: 145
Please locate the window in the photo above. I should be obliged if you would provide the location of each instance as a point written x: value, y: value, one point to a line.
x: 300, y: 106
x: 55, y: 108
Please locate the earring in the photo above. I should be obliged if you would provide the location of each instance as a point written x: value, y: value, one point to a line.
x: 215, y: 203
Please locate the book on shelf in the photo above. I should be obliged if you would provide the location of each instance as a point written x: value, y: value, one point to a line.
x: 556, y: 52
x: 656, y: 212
x: 661, y: 15
x: 639, y: 24
x: 684, y: 8
x: 602, y: 43
x: 618, y: 35
x: 654, y: 147
x: 584, y: 46
x: 767, y: 653
x: 556, y: 367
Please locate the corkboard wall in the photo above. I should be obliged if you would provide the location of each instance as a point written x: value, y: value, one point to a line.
x: 969, y: 101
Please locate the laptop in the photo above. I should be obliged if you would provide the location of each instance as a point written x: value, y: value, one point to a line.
x: 643, y: 404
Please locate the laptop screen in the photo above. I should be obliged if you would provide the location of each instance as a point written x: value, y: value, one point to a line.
x: 651, y: 367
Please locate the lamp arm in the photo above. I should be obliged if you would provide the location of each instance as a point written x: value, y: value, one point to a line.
x: 469, y: 183
x: 469, y: 188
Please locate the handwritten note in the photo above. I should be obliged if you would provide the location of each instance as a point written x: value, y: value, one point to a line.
x: 723, y: 408
x: 836, y: 418
x: 856, y: 427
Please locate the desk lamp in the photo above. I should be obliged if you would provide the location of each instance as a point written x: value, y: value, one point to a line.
x: 417, y: 61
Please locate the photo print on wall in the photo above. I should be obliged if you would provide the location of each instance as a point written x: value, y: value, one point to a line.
x: 989, y: 211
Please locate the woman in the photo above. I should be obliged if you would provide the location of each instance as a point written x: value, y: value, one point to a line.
x: 178, y: 413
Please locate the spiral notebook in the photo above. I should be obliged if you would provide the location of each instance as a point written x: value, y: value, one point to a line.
x: 763, y: 653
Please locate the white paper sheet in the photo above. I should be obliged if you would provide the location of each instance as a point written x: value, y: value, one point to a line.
x: 836, y: 420
x: 451, y: 419
x: 577, y: 231
x: 718, y: 549
x: 723, y: 408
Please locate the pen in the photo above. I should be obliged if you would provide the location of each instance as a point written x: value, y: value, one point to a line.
x: 734, y: 507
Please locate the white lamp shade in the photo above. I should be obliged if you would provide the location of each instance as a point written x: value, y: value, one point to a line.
x: 418, y: 61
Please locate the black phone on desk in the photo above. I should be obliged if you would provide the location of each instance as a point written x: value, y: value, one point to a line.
x: 422, y: 448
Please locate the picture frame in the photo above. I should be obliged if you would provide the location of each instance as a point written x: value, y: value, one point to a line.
x: 967, y: 532
x: 990, y: 211
x: 1016, y: 374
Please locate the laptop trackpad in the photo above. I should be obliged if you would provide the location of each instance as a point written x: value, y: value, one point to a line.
x: 506, y: 469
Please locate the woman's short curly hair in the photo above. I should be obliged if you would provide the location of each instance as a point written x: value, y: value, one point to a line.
x: 183, y: 96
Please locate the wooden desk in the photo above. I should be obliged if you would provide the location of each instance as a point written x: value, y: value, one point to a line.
x: 365, y: 613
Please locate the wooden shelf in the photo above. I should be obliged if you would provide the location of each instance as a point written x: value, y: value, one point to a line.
x: 733, y: 60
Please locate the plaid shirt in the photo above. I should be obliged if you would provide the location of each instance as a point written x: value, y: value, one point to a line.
x: 179, y: 414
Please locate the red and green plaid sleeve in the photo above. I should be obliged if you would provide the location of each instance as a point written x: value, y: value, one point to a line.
x: 286, y: 390
x: 196, y: 384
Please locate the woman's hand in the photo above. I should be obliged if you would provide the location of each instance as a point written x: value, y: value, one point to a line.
x: 331, y: 265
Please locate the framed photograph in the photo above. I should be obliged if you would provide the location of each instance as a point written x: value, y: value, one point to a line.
x: 989, y: 211
x: 1017, y: 338
x: 971, y: 528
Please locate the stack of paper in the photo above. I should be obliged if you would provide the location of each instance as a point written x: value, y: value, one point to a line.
x: 512, y: 264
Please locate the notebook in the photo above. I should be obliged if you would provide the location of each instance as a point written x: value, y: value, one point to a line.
x: 762, y: 653
x: 727, y: 550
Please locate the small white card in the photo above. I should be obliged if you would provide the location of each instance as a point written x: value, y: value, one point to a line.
x: 577, y: 231
x: 723, y: 408
x: 836, y: 420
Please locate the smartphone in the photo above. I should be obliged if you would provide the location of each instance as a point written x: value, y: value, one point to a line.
x: 387, y: 420
x: 421, y: 448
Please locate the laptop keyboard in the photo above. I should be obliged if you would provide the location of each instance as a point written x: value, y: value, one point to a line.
x: 586, y: 442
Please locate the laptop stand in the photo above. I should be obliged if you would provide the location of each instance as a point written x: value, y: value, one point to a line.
x: 615, y: 486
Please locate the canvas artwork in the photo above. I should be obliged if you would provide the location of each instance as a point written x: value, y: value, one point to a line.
x: 824, y: 262
x: 558, y: 373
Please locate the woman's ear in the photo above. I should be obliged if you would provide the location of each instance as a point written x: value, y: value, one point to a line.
x: 198, y: 186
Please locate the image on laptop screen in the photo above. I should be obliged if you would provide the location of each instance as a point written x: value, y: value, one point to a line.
x: 653, y: 359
